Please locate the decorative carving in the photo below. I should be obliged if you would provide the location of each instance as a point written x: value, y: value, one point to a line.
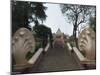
x: 21, y: 33
x: 22, y: 42
x: 86, y: 42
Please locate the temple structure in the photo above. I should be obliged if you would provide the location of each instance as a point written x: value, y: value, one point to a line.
x: 59, y: 38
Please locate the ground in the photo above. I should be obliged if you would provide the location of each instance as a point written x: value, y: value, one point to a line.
x: 57, y: 59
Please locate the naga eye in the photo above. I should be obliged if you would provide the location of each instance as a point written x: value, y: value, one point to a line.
x: 16, y: 38
x: 21, y: 33
x: 88, y: 32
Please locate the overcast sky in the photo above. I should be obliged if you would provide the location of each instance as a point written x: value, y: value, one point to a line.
x: 56, y: 19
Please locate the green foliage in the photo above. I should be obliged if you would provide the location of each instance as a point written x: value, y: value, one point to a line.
x: 43, y: 33
x: 38, y: 45
x: 22, y: 13
x: 71, y: 41
x: 76, y: 15
x: 92, y: 23
x: 30, y: 54
x: 71, y: 38
x: 83, y: 53
x: 39, y: 11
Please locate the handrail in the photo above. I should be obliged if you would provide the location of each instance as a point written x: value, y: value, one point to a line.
x: 80, y: 56
x: 69, y: 46
x: 46, y: 48
x: 35, y: 56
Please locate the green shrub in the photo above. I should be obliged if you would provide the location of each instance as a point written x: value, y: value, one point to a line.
x: 30, y: 54
x: 83, y: 53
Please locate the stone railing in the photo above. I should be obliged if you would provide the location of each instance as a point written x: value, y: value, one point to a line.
x: 35, y: 56
x: 69, y: 46
x: 86, y: 43
x: 83, y: 60
x: 23, y: 42
x: 79, y: 54
x: 46, y: 48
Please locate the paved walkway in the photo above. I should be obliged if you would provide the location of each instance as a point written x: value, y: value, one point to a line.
x: 58, y: 59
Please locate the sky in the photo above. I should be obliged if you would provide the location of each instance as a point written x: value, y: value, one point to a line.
x: 55, y: 19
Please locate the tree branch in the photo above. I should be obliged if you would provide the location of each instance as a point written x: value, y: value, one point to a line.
x: 82, y: 21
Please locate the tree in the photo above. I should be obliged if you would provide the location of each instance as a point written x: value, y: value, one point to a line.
x: 76, y: 15
x: 43, y: 33
x: 22, y: 13
x: 92, y: 23
x: 39, y: 11
x: 92, y: 20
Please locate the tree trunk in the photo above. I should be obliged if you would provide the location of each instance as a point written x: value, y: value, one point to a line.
x: 74, y: 31
x: 75, y: 35
x: 76, y: 39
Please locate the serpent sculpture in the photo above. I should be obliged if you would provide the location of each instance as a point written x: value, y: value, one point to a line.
x: 22, y: 42
x: 86, y: 43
